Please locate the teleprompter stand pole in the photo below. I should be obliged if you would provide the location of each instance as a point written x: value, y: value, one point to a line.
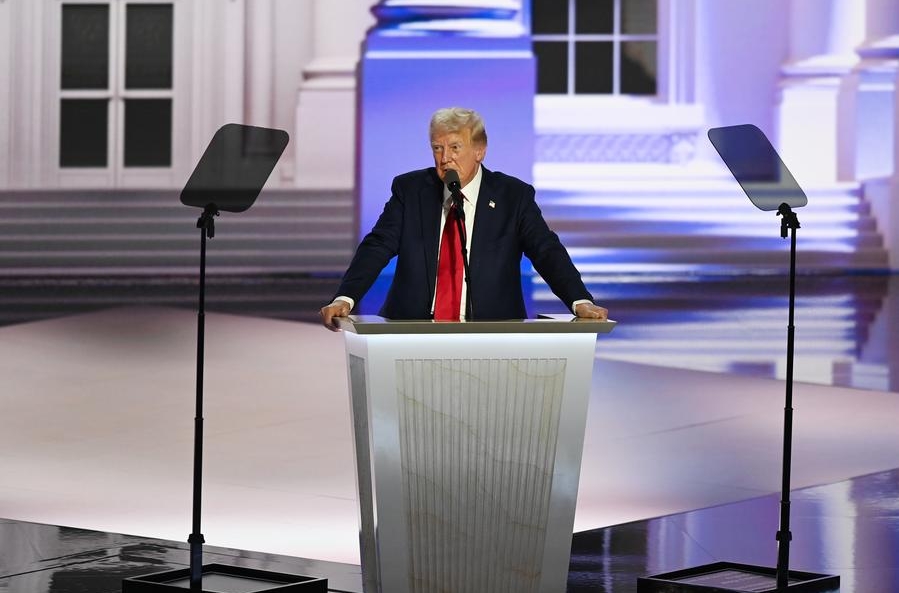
x: 788, y: 223
x: 232, y: 171
x: 728, y: 576
x: 206, y: 224
x: 770, y: 187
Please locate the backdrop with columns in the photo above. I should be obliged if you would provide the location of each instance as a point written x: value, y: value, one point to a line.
x: 354, y: 80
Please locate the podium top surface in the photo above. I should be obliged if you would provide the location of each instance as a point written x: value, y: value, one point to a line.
x: 546, y: 324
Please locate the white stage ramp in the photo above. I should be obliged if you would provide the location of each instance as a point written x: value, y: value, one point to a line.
x: 97, y: 420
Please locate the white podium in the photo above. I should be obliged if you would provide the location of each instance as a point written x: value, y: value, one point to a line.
x: 468, y: 444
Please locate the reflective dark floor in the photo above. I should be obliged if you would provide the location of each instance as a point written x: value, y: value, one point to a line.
x: 44, y: 558
x: 849, y: 529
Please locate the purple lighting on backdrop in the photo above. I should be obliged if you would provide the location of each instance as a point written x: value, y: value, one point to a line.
x: 417, y: 62
x: 615, y: 214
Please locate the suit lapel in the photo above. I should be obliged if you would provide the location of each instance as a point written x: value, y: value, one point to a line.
x: 484, y: 218
x: 431, y: 204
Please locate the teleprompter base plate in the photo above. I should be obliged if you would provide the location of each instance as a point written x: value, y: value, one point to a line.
x: 730, y: 577
x: 221, y: 578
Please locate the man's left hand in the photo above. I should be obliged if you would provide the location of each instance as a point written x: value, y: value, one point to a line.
x: 591, y: 311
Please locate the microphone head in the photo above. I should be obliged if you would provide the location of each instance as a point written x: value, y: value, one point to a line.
x: 451, y: 177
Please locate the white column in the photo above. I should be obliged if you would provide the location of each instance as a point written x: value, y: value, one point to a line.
x: 217, y: 78
x: 31, y: 96
x: 229, y: 36
x: 324, y: 138
x: 6, y: 51
x: 869, y: 124
x: 259, y: 63
x: 885, y: 50
x: 823, y: 36
x: 870, y: 114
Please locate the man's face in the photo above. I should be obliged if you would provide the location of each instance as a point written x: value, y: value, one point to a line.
x: 455, y: 150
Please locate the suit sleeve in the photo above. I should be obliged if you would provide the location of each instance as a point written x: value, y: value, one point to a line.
x: 376, y: 249
x: 549, y: 256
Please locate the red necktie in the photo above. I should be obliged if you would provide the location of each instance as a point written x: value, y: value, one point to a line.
x: 449, y: 272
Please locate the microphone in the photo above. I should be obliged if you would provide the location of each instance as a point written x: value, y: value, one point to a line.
x: 451, y: 177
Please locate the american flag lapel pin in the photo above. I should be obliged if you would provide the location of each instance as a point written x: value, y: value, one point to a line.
x: 492, y: 204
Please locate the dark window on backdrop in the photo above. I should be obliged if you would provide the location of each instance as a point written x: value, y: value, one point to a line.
x: 606, y: 47
x: 109, y: 100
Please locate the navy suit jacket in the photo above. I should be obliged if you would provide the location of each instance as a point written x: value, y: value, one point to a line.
x: 409, y: 228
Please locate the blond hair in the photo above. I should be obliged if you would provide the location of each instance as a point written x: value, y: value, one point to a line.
x: 456, y: 119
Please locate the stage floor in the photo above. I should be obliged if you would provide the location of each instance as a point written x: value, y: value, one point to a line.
x: 98, y: 419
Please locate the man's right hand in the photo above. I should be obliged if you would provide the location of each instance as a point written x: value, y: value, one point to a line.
x: 336, y: 309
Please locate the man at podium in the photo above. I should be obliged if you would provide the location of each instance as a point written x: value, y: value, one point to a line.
x: 425, y: 228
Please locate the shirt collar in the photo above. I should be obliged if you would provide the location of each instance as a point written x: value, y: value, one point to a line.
x: 470, y: 191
